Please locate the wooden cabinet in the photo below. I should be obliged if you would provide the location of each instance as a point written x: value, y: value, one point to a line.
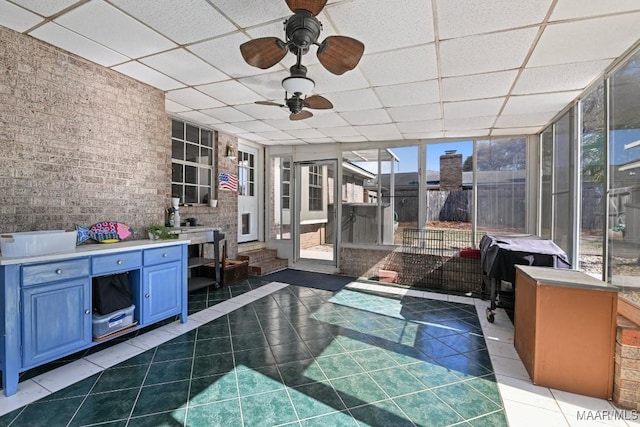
x: 46, y: 301
x: 565, y: 329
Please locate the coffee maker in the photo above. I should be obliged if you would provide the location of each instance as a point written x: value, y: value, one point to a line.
x: 174, y: 212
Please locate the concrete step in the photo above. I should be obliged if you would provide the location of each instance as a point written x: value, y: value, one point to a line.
x: 268, y: 266
x: 257, y: 256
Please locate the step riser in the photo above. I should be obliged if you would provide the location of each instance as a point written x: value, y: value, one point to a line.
x: 255, y: 257
x: 268, y: 267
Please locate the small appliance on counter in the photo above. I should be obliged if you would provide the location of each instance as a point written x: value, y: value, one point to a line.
x: 174, y: 212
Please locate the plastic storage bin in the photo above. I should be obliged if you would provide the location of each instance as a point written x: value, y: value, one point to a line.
x: 112, y: 322
x: 32, y: 243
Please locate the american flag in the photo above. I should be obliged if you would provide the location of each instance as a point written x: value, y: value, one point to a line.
x: 228, y: 182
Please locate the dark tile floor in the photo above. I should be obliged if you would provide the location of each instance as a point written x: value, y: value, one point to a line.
x: 300, y: 357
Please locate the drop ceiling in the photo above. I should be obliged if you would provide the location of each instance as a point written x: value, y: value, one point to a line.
x: 431, y: 68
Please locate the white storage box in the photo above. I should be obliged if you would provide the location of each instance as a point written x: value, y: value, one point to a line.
x: 112, y: 322
x: 32, y: 243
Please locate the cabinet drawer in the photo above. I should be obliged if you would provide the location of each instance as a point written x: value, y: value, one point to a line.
x: 106, y: 264
x: 161, y: 255
x: 54, y: 271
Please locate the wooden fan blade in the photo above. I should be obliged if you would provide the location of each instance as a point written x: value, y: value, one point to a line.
x: 313, y: 6
x: 270, y: 103
x: 317, y: 102
x: 264, y: 52
x: 304, y: 114
x: 339, y: 54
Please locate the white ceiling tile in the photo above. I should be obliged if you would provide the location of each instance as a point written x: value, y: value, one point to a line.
x: 327, y: 82
x: 286, y: 124
x: 253, y: 137
x: 466, y: 133
x: 267, y: 85
x: 568, y: 9
x: 366, y: 117
x: 228, y: 129
x: 274, y: 136
x: 414, y: 113
x: 193, y: 99
x: 482, y: 122
x: 420, y: 126
x: 112, y: 28
x: 247, y: 13
x: 485, y: 53
x: 16, y: 18
x: 185, y: 67
x: 427, y: 92
x: 340, y: 131
x: 44, y: 8
x: 224, y: 54
x: 355, y: 100
x: 306, y: 133
x: 526, y: 104
x: 230, y: 92
x: 254, y: 126
x: 174, y: 107
x: 519, y: 120
x: 387, y: 132
x: 198, y: 117
x: 377, y: 23
x: 355, y: 138
x: 581, y: 41
x: 559, y: 77
x: 400, y: 66
x: 477, y: 86
x: 148, y: 75
x: 59, y: 36
x: 227, y: 114
x: 516, y: 131
x: 327, y: 120
x: 458, y: 18
x: 262, y: 112
x: 463, y: 109
x: 194, y: 20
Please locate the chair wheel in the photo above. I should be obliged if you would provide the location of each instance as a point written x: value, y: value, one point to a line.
x: 490, y: 315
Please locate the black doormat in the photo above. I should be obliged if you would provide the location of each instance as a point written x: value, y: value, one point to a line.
x: 327, y: 282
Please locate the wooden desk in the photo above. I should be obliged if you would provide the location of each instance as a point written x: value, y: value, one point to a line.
x: 565, y: 329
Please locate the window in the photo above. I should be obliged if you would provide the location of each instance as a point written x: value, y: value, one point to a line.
x: 192, y: 151
x: 286, y: 184
x: 246, y: 174
x: 280, y: 228
x: 315, y: 188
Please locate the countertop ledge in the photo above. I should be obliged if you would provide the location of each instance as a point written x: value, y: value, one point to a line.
x: 95, y: 249
x: 566, y: 278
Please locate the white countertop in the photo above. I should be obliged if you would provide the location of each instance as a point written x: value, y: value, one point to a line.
x: 96, y: 249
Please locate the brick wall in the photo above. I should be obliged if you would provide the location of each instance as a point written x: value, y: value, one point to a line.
x: 78, y: 143
x: 451, y: 172
x: 311, y: 235
x: 626, y: 385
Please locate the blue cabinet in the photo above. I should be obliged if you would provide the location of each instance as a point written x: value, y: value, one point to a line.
x: 56, y: 320
x: 46, y: 301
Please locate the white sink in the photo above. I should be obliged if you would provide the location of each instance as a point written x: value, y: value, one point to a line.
x: 32, y: 243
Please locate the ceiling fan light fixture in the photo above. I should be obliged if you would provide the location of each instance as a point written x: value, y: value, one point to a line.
x: 298, y: 85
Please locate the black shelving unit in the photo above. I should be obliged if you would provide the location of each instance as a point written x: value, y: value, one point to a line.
x: 197, y: 278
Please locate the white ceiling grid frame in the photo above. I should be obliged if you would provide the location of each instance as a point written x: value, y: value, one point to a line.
x: 197, y: 19
x: 198, y: 117
x: 341, y: 132
x: 254, y: 126
x: 377, y: 23
x: 459, y: 18
x: 227, y: 114
x: 306, y: 133
x: 412, y: 113
x: 569, y: 9
x: 326, y: 82
x: 185, y: 67
x: 465, y: 109
x: 328, y: 120
x: 540, y: 103
x: 587, y: 40
x: 366, y: 117
x: 355, y: 100
x: 148, y: 75
x: 263, y: 112
x: 63, y: 38
x: 286, y: 124
x: 519, y: 120
x: 246, y: 13
x: 112, y: 28
x: 174, y: 107
x: 420, y: 126
x: 386, y: 132
x: 481, y: 122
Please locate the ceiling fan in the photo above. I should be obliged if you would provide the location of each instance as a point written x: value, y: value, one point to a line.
x: 298, y: 84
x: 338, y: 54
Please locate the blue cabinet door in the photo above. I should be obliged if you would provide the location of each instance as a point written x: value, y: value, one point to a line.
x: 161, y: 292
x: 57, y: 320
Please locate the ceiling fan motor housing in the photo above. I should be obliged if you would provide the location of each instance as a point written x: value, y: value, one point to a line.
x: 302, y: 30
x: 295, y: 104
